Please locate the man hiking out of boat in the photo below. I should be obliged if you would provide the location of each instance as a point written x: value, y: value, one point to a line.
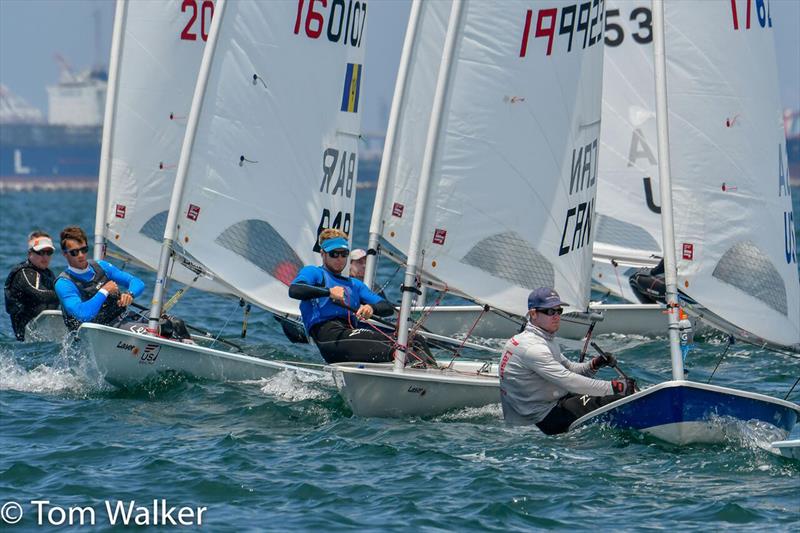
x: 99, y: 292
x: 333, y: 306
x: 89, y: 290
x: 538, y: 385
x: 29, y: 286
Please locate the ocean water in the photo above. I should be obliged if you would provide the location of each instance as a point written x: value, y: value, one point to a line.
x: 287, y: 454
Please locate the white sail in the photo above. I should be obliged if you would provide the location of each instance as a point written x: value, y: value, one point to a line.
x: 515, y: 167
x: 505, y: 196
x: 734, y: 229
x: 403, y: 160
x: 161, y: 46
x: 628, y: 200
x: 274, y: 157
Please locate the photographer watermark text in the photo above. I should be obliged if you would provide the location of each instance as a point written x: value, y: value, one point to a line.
x: 156, y: 512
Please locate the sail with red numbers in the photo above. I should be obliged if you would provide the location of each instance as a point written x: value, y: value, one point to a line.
x: 268, y: 157
x: 156, y: 55
x: 499, y: 198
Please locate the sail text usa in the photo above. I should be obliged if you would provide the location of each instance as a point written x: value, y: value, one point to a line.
x: 789, y: 239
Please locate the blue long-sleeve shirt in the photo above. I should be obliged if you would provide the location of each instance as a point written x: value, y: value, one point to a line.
x: 322, y: 309
x: 70, y: 296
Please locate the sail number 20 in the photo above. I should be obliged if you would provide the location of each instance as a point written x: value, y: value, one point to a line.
x: 346, y: 20
x: 206, y: 10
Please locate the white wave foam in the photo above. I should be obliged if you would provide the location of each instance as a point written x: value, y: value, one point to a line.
x: 67, y: 371
x: 753, y: 434
x: 480, y: 457
x: 471, y: 413
x: 41, y: 378
x: 297, y: 386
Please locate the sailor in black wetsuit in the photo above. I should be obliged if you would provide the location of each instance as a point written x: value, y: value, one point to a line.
x: 648, y: 284
x: 324, y: 291
x: 29, y: 286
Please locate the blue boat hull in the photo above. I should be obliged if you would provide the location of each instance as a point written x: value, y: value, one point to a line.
x: 683, y: 412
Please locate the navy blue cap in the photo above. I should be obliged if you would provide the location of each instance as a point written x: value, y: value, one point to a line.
x: 544, y: 298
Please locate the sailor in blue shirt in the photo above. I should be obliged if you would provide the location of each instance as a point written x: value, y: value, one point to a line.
x: 326, y: 295
x: 92, y: 291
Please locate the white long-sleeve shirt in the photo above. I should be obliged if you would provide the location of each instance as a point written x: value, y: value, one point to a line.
x: 534, y: 376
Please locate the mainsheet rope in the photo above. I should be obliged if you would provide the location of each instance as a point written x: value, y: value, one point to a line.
x: 392, y: 339
x: 457, y: 352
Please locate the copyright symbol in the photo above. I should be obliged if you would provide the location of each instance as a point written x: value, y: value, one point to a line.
x: 11, y: 512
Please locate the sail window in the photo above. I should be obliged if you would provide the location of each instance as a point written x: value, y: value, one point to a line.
x: 617, y: 232
x: 747, y: 268
x: 154, y: 228
x: 259, y: 243
x: 510, y: 257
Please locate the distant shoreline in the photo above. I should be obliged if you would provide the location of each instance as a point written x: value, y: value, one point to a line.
x: 18, y: 185
x: 87, y: 184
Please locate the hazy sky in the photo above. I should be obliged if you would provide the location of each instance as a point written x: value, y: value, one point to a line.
x: 32, y: 31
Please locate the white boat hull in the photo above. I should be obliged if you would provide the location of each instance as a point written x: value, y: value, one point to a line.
x: 47, y: 326
x: 628, y: 319
x: 377, y: 390
x: 686, y: 412
x: 127, y: 358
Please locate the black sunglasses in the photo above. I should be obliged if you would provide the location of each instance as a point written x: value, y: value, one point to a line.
x: 47, y: 252
x: 75, y: 252
x: 338, y: 253
x: 552, y: 311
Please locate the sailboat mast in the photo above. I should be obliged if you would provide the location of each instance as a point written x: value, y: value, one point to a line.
x: 375, y: 225
x: 183, y: 168
x: 108, y: 127
x: 434, y: 129
x: 665, y: 179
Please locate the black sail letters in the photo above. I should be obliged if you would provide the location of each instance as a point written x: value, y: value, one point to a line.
x: 339, y: 170
x: 577, y: 229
